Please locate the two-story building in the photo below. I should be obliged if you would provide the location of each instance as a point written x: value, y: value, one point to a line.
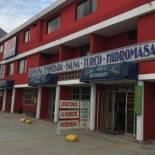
x: 99, y: 51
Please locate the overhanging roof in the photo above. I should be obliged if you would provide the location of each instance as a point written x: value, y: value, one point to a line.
x: 2, y: 33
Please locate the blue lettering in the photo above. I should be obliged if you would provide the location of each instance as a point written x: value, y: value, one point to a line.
x: 140, y: 53
x: 93, y: 61
x: 72, y: 65
x: 133, y: 52
x: 127, y: 54
x: 152, y: 50
x: 122, y: 55
x: 146, y: 50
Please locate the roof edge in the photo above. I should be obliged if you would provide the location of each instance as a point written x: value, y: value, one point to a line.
x: 54, y: 5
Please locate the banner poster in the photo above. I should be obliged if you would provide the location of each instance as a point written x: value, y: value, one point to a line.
x: 134, y: 53
x: 138, y: 100
x: 84, y: 114
x: 69, y: 124
x: 73, y: 114
x: 84, y: 104
x: 68, y: 104
x: 69, y: 114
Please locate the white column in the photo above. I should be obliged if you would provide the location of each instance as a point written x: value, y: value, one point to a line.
x: 57, y: 100
x: 140, y: 118
x: 39, y: 103
x: 4, y: 100
x: 92, y: 106
x: 13, y: 100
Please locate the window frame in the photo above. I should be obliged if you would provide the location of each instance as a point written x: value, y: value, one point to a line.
x: 10, y: 69
x: 24, y: 69
x: 85, y: 50
x: 27, y: 37
x: 1, y: 48
x: 80, y: 93
x: 30, y: 96
x: 90, y: 9
x: 50, y: 21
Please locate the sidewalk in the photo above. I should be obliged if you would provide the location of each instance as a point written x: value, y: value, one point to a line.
x: 40, y: 139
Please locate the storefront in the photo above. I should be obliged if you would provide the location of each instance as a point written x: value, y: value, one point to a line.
x: 48, y: 103
x: 7, y: 91
x: 74, y: 105
x: 45, y: 95
x: 113, y: 101
x: 114, y: 96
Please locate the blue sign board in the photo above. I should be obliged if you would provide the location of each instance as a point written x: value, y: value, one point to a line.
x: 138, y: 52
x: 6, y: 83
x: 49, y: 79
x: 125, y: 70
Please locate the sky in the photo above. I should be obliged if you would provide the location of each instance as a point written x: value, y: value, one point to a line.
x: 14, y: 12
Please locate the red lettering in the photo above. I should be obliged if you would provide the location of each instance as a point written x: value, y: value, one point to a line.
x: 68, y: 124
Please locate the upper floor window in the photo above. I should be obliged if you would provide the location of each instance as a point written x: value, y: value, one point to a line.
x: 85, y: 7
x: 84, y: 50
x: 22, y: 66
x: 53, y: 25
x: 10, y: 69
x: 27, y: 36
x: 1, y: 48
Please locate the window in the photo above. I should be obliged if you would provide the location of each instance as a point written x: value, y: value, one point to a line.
x: 27, y: 36
x: 30, y: 96
x: 10, y: 69
x: 1, y: 48
x: 81, y: 93
x: 132, y: 34
x: 84, y: 50
x: 85, y: 8
x: 22, y: 66
x: 53, y: 25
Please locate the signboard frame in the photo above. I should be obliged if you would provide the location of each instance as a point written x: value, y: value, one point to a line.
x: 69, y: 107
x: 138, y: 52
x: 68, y: 121
x: 80, y: 123
x: 63, y: 112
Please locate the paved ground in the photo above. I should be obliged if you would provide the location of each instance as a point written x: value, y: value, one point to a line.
x: 40, y: 139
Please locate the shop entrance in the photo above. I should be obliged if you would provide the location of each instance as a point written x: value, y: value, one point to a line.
x: 51, y: 104
x: 8, y: 100
x: 120, y: 117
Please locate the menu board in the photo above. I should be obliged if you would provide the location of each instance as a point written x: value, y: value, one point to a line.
x: 74, y: 114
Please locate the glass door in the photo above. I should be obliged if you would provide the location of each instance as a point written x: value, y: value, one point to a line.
x: 110, y: 112
x: 120, y: 117
x: 120, y: 112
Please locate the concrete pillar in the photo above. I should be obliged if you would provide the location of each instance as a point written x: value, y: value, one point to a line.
x: 140, y: 118
x: 39, y: 103
x: 92, y: 106
x: 13, y: 100
x: 57, y: 100
x: 4, y: 100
